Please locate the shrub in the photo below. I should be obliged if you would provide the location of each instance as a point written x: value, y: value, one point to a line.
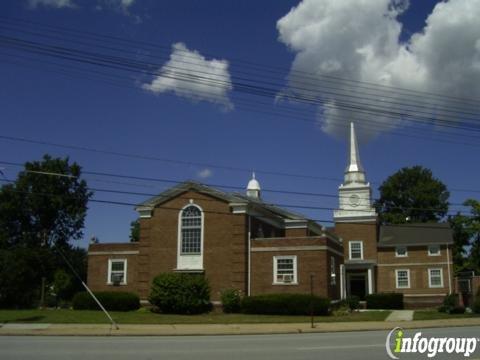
x: 384, y: 301
x: 177, y: 293
x: 285, y: 304
x: 231, y: 300
x: 111, y: 300
x: 451, y: 305
x: 353, y: 302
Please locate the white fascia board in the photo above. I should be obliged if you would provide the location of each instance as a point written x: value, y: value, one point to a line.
x: 145, y: 212
x: 295, y: 224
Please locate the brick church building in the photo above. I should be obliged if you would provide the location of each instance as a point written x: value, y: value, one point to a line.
x: 238, y: 241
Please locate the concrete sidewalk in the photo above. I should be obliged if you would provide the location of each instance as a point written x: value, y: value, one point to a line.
x: 400, y: 315
x: 220, y: 329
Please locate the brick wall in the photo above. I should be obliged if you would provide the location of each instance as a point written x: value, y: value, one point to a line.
x: 225, y: 243
x: 313, y: 257
x: 366, y: 232
x: 98, y: 256
x: 417, y: 262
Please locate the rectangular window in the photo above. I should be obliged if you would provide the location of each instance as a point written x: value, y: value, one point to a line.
x: 435, y: 278
x: 285, y: 270
x: 333, y: 271
x: 356, y: 250
x: 434, y: 250
x: 117, y: 272
x: 402, y: 278
x: 401, y: 251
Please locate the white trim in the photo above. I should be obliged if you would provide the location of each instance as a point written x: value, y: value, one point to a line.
x: 434, y: 254
x: 109, y: 272
x: 126, y: 252
x: 295, y: 224
x: 195, y: 258
x: 396, y: 279
x: 430, y: 277
x: 296, y: 248
x: 399, y: 255
x: 295, y: 278
x: 333, y: 271
x: 343, y: 290
x: 350, y: 249
x: 417, y: 264
x: 370, y: 280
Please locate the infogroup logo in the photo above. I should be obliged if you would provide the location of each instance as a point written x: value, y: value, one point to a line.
x: 397, y: 344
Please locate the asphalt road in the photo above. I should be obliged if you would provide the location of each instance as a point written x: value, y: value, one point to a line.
x: 368, y: 345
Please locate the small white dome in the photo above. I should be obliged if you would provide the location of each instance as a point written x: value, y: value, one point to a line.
x: 253, y: 184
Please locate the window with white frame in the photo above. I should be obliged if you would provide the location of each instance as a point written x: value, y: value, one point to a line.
x: 402, y: 278
x: 434, y: 250
x: 284, y: 269
x: 435, y: 278
x: 356, y: 250
x: 117, y: 272
x: 333, y: 271
x: 191, y: 230
x: 401, y: 251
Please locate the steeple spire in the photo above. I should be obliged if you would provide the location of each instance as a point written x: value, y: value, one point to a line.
x: 354, y: 172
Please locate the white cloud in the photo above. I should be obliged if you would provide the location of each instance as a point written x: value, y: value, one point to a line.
x: 360, y: 40
x: 188, y: 74
x: 51, y: 3
x: 204, y: 173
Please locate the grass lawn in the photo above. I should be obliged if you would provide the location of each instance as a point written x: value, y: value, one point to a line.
x: 436, y: 315
x: 143, y: 316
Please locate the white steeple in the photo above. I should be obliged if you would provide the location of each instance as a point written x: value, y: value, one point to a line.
x: 355, y: 194
x: 354, y: 172
x: 253, y: 188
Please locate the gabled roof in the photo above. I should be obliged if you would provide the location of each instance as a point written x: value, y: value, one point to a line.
x: 233, y: 198
x: 188, y: 186
x: 415, y: 234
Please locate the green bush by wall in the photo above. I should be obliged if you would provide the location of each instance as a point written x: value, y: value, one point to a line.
x: 285, y: 304
x: 177, y: 293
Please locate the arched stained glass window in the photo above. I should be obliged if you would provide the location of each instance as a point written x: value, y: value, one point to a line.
x: 191, y: 230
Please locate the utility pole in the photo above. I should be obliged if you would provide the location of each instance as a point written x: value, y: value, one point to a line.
x: 311, y: 301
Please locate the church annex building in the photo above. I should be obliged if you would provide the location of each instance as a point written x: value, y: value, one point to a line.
x: 238, y: 241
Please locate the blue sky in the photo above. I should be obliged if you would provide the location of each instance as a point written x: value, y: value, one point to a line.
x: 230, y: 127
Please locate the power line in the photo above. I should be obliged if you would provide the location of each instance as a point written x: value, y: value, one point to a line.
x: 176, y: 182
x: 217, y: 212
x: 260, y: 67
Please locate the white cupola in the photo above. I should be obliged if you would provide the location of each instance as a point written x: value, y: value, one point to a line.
x: 253, y: 188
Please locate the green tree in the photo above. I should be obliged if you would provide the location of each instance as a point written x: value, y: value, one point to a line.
x: 472, y: 224
x: 135, y: 231
x: 40, y: 213
x: 461, y: 240
x: 412, y: 194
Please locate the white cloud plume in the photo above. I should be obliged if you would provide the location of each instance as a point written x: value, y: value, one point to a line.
x: 360, y: 40
x: 188, y: 74
x: 204, y: 173
x: 51, y: 3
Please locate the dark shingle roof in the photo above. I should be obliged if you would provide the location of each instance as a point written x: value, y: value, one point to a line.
x: 229, y: 197
x: 415, y: 234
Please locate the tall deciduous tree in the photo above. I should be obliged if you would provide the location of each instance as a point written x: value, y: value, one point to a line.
x: 42, y: 210
x: 412, y: 194
x: 472, y: 225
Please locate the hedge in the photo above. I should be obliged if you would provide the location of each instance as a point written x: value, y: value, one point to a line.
x: 285, y: 304
x: 111, y: 300
x: 178, y: 293
x: 384, y: 301
x: 231, y: 301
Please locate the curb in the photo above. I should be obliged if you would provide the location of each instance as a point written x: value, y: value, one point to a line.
x: 17, y: 329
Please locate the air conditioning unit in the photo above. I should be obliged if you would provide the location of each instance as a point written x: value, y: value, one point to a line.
x: 287, y: 278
